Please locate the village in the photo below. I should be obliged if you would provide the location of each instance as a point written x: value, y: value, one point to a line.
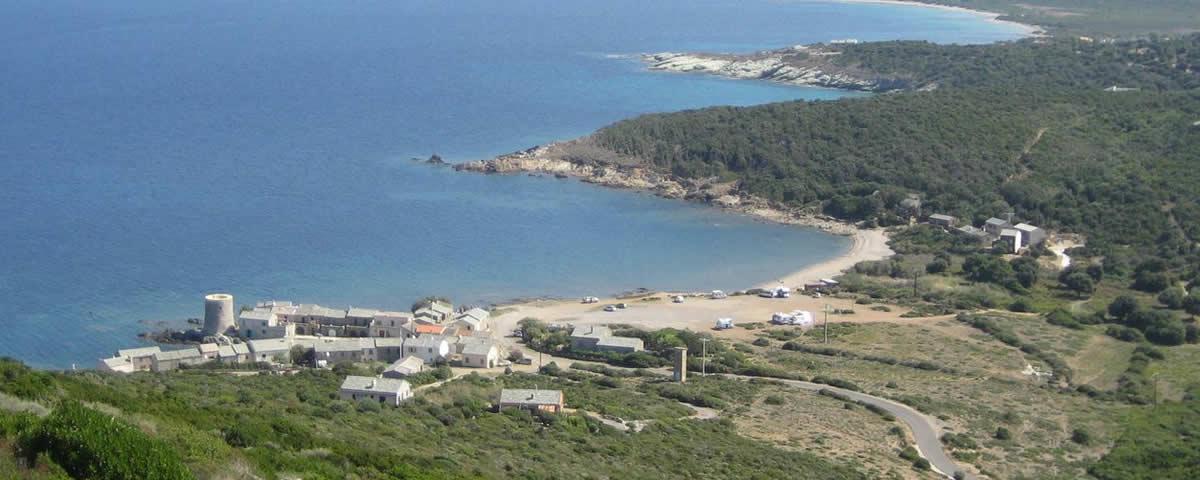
x: 435, y: 333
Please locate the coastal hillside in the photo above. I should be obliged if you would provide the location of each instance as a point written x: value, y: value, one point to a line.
x: 1159, y: 64
x: 1118, y: 18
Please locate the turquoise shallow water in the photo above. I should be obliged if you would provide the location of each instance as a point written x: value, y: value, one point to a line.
x: 155, y: 151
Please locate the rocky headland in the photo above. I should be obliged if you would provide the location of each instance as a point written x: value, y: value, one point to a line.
x: 807, y: 65
x: 583, y: 159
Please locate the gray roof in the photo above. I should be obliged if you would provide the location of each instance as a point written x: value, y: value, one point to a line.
x: 997, y: 222
x: 345, y: 345
x: 969, y: 230
x: 477, y: 313
x: 1025, y: 227
x: 478, y: 348
x: 138, y: 352
x: 361, y: 312
x: 428, y: 341
x: 313, y: 310
x: 591, y: 331
x: 263, y: 314
x: 628, y: 342
x: 389, y: 342
x: 407, y: 365
x: 939, y: 216
x: 270, y: 345
x: 1010, y: 232
x: 442, y: 308
x: 522, y: 396
x: 115, y: 362
x: 374, y: 385
x: 181, y: 354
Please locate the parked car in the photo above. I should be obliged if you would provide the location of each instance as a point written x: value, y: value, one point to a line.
x: 610, y: 308
x: 525, y: 361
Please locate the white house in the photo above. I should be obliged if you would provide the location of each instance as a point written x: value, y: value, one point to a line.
x: 481, y: 355
x: 430, y: 348
x: 173, y: 359
x: 236, y: 353
x: 995, y: 226
x: 1030, y: 235
x: 1011, y: 238
x: 404, y: 367
x: 473, y: 320
x: 346, y: 350
x: 142, y: 359
x: 268, y: 349
x: 392, y: 324
x: 386, y: 391
x: 389, y: 349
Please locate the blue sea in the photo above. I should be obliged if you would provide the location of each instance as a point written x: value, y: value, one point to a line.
x: 152, y: 151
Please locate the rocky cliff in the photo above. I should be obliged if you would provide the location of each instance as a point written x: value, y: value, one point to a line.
x: 584, y: 160
x: 799, y: 65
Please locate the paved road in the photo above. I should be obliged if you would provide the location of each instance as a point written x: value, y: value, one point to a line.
x: 929, y: 444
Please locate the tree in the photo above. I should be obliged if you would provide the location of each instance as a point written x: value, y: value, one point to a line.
x: 1080, y: 283
x: 988, y: 269
x: 1122, y: 306
x: 1025, y: 270
x: 1002, y: 433
x: 1150, y: 281
x: 1191, y: 304
x: 1172, y: 298
x: 938, y: 265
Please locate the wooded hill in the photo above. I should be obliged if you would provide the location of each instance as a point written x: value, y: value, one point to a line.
x: 1022, y: 127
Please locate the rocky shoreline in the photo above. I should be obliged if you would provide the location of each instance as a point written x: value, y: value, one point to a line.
x: 589, y: 163
x: 804, y: 65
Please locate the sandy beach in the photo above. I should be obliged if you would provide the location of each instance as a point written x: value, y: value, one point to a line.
x: 1031, y: 30
x: 868, y: 245
x: 697, y: 312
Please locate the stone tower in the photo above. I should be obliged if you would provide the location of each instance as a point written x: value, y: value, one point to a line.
x: 218, y: 313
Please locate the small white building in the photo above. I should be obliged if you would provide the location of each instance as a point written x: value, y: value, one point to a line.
x: 392, y: 324
x: 404, y: 367
x: 346, y: 350
x: 473, y: 320
x: 270, y: 349
x: 1011, y: 238
x: 481, y: 355
x: 995, y: 226
x: 173, y: 359
x: 142, y: 359
x: 1030, y: 235
x: 943, y: 220
x: 430, y: 348
x: 235, y: 353
x: 717, y: 295
x: 386, y: 391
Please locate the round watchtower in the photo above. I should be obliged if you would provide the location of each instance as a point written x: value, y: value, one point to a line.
x: 218, y: 313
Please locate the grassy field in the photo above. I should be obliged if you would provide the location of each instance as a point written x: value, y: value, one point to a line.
x: 985, y: 391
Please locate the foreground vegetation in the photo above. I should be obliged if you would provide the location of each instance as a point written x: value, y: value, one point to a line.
x: 267, y: 426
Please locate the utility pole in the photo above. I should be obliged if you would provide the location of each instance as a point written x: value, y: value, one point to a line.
x: 703, y: 357
x: 827, y: 309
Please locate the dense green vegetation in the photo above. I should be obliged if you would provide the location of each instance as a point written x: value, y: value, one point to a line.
x: 271, y: 426
x: 1025, y: 127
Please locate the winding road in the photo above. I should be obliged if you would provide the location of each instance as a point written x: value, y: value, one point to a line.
x: 924, y: 430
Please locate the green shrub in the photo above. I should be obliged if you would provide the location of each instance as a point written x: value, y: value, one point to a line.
x: 89, y: 444
x: 773, y: 400
x: 1081, y: 436
x: 1002, y: 433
